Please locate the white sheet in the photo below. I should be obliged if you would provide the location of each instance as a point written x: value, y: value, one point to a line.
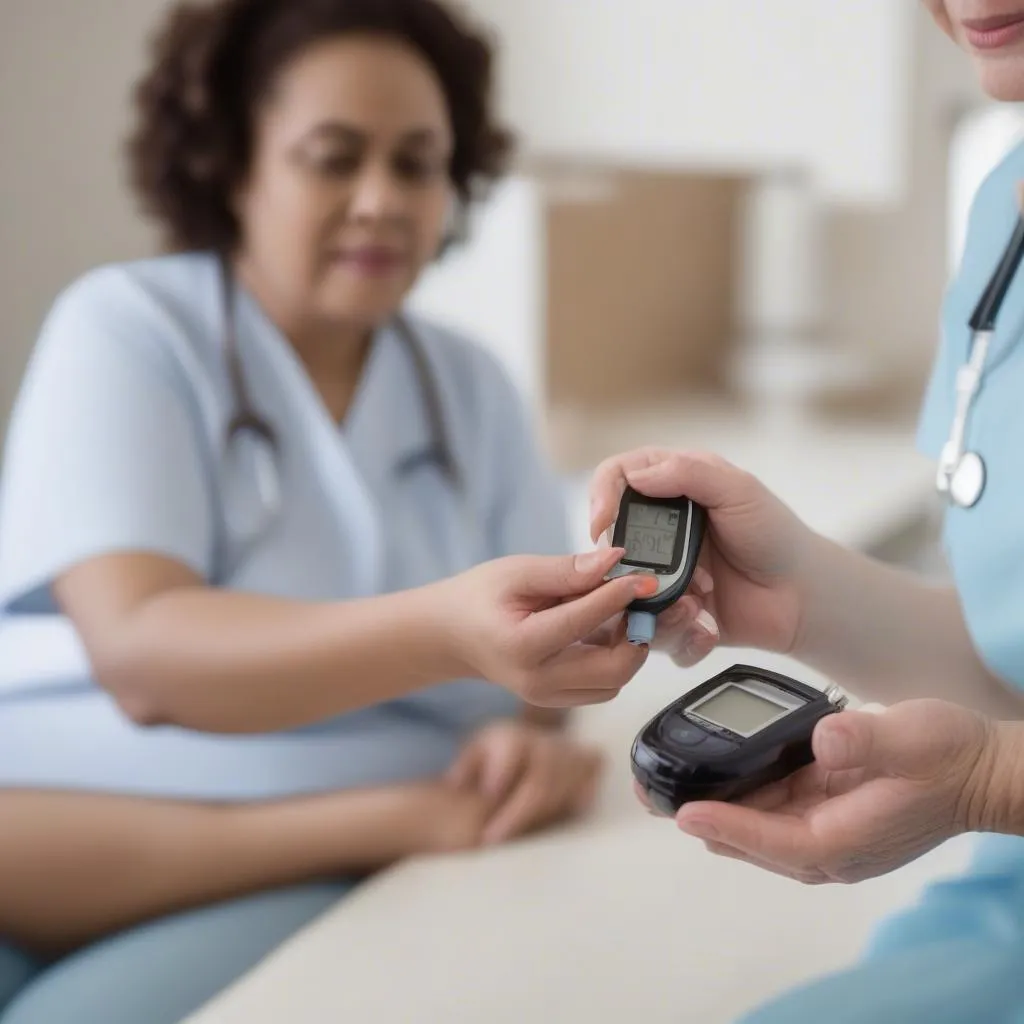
x: 39, y: 652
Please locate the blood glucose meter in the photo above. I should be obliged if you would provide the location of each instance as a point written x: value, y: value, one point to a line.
x: 741, y: 730
x: 661, y: 537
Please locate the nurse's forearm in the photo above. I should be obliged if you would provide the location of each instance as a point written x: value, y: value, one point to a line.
x: 228, y: 662
x: 888, y: 636
x: 997, y: 805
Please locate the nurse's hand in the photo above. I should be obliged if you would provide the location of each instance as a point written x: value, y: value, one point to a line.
x: 885, y: 789
x: 745, y: 591
x: 530, y: 777
x: 521, y: 621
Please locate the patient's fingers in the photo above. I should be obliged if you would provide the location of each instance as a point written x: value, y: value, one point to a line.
x: 596, y: 668
x: 703, y: 582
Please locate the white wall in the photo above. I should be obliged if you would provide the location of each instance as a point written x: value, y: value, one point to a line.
x: 739, y: 82
x: 492, y: 288
x: 65, y: 71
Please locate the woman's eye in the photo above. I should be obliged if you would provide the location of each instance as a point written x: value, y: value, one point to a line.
x: 418, y: 168
x: 337, y: 164
x: 411, y: 168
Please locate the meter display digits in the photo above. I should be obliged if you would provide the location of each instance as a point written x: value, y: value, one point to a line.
x: 651, y: 534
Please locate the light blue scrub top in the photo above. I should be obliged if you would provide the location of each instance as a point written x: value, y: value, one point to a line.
x: 115, y: 444
x: 957, y: 955
x: 984, y: 545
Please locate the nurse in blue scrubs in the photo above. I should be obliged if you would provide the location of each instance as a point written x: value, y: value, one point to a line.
x: 946, y: 756
x: 262, y: 540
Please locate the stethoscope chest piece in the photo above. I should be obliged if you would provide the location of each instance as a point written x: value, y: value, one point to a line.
x: 968, y: 480
x: 961, y: 477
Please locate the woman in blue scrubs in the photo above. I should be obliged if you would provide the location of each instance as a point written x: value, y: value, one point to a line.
x: 946, y: 756
x: 241, y: 668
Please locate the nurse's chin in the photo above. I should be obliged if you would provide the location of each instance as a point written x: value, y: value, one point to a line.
x: 1001, y: 75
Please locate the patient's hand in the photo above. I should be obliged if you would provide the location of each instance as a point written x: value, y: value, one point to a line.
x: 528, y: 777
x: 443, y: 818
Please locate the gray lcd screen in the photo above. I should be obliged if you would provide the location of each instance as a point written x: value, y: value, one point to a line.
x: 651, y: 532
x: 739, y: 710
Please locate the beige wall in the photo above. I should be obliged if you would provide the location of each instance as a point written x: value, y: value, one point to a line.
x: 64, y: 68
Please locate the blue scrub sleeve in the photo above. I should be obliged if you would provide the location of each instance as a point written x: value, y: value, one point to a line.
x: 103, y: 452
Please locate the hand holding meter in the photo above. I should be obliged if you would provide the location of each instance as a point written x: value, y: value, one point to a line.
x: 739, y: 731
x: 662, y: 537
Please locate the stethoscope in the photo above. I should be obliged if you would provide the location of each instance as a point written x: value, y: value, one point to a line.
x: 264, y: 448
x: 962, y: 474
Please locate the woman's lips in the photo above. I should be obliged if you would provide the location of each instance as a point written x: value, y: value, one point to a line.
x: 373, y: 261
x: 994, y: 33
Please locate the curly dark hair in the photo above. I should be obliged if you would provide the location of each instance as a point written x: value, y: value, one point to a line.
x: 212, y: 64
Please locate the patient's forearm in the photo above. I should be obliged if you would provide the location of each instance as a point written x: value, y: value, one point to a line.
x: 173, y: 650
x: 75, y: 866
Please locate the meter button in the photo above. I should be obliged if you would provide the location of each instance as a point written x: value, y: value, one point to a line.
x: 686, y: 734
x: 717, y: 745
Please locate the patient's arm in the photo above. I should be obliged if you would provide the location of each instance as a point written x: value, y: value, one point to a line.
x: 171, y: 649
x: 74, y: 866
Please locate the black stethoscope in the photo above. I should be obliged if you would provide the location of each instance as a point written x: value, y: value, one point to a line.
x: 264, y: 453
x: 961, y: 474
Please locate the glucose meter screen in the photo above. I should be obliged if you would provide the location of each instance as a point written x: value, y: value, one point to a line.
x: 739, y: 710
x: 651, y: 532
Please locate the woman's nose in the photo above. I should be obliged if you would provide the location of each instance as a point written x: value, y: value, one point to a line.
x: 377, y: 195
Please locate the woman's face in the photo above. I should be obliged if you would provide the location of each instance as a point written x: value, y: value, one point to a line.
x: 992, y: 32
x: 348, y: 192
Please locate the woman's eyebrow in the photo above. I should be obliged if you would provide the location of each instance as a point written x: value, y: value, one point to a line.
x: 342, y: 131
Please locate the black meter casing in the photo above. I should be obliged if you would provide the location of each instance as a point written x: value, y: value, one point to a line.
x: 680, y: 756
x: 677, y: 525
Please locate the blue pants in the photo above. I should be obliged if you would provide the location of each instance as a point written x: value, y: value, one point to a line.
x: 161, y: 971
x: 957, y: 957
